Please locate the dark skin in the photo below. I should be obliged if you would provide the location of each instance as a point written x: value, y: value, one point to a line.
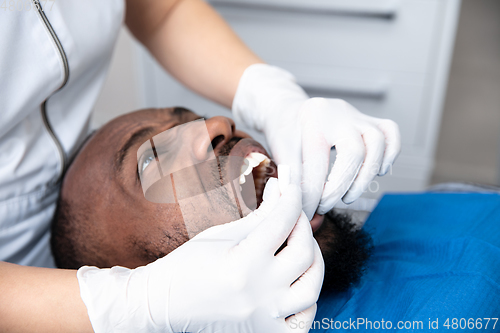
x: 102, y: 183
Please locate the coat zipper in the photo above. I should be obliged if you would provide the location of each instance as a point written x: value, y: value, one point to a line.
x: 62, y: 53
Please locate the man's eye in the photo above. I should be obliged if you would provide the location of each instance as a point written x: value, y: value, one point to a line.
x: 146, y: 162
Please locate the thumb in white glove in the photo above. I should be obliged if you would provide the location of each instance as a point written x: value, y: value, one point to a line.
x: 226, y: 279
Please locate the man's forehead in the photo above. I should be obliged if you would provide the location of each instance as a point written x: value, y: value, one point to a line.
x: 143, y: 126
x: 122, y: 128
x: 112, y: 142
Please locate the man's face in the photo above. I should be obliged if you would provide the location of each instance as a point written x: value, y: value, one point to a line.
x: 104, y: 182
x: 105, y: 220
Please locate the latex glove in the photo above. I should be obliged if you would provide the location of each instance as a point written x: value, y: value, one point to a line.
x: 226, y: 279
x: 301, y: 132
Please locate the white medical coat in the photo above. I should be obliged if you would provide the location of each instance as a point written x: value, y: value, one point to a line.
x: 31, y: 70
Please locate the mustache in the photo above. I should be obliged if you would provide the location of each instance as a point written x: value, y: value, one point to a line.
x: 225, y: 200
x: 227, y: 147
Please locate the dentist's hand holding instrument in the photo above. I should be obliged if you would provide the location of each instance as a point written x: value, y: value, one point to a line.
x: 226, y: 279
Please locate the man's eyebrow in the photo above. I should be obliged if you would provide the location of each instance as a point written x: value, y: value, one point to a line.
x: 138, y: 136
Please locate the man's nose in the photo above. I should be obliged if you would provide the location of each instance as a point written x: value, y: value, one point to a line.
x: 220, y: 131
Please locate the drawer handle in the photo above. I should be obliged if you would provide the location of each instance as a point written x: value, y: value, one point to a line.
x: 386, y: 8
x: 374, y: 90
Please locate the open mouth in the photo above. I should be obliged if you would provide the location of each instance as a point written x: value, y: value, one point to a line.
x: 262, y: 168
x: 252, y: 167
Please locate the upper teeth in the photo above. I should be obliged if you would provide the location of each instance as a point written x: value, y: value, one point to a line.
x: 250, y: 162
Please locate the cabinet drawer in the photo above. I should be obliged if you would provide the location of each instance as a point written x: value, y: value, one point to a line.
x: 390, y: 35
x: 360, y: 7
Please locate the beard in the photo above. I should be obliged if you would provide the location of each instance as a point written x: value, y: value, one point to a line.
x: 346, y: 250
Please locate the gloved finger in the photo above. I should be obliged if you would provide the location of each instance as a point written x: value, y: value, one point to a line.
x: 375, y: 146
x: 269, y: 198
x: 239, y: 229
x: 284, y: 175
x: 302, y: 322
x: 298, y: 254
x: 304, y: 292
x: 272, y: 232
x: 315, y: 160
x: 350, y: 157
x: 392, y: 142
x: 289, y: 155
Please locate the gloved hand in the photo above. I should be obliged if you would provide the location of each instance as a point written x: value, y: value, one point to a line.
x: 301, y: 132
x: 226, y: 279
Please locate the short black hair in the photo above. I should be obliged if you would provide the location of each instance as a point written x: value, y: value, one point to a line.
x: 68, y: 228
x: 62, y: 240
x: 74, y: 242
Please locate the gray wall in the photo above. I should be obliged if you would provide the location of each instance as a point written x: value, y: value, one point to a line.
x: 469, y: 142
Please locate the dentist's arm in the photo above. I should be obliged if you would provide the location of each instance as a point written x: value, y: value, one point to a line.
x: 193, y: 43
x: 40, y: 300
